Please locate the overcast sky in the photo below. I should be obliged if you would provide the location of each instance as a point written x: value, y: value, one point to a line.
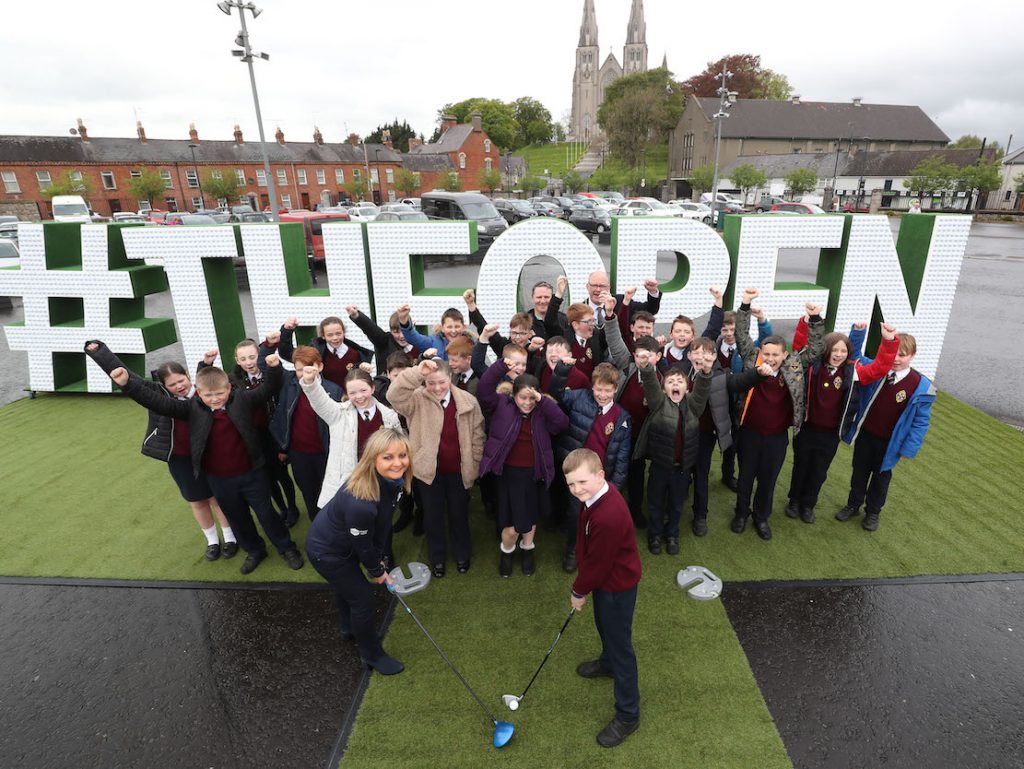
x: 349, y: 66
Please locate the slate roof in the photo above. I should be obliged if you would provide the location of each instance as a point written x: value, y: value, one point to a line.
x: 450, y: 141
x: 71, y: 149
x: 1014, y: 158
x: 888, y: 164
x: 767, y: 119
x: 777, y: 166
x: 413, y: 162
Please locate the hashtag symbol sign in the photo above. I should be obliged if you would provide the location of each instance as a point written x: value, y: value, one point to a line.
x: 76, y: 285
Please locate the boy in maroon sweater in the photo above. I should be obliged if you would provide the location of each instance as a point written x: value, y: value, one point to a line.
x: 609, y: 568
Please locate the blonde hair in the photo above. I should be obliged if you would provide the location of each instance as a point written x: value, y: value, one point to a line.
x: 908, y: 345
x: 211, y: 378
x: 582, y: 459
x: 363, y: 483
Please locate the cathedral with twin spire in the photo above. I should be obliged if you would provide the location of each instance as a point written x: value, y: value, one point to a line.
x: 592, y: 76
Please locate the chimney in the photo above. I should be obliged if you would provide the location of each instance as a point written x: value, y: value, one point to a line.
x: 414, y: 142
x: 193, y: 134
x: 477, y: 119
x: 84, y: 134
x: 279, y: 135
x: 856, y: 101
x: 318, y: 138
x: 448, y: 121
x: 386, y: 139
x: 795, y: 98
x: 353, y: 139
x: 238, y: 135
x: 141, y: 131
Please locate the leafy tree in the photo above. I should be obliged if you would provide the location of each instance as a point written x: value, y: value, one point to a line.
x: 633, y: 181
x: 1018, y: 182
x: 356, y: 189
x: 497, y: 118
x: 533, y: 120
x: 574, y: 182
x: 933, y: 174
x: 638, y: 108
x: 748, y: 177
x: 407, y: 182
x: 149, y: 185
x: 448, y: 181
x: 750, y: 80
x: 971, y: 141
x: 604, y: 178
x: 400, y: 135
x: 221, y: 183
x: 801, y: 180
x: 557, y: 132
x: 530, y: 183
x: 702, y: 178
x: 490, y: 180
x: 72, y: 183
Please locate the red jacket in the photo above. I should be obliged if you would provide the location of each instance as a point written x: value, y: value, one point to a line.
x: 606, y: 546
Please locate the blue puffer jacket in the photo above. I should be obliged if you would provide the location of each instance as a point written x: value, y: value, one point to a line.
x: 287, y: 400
x: 908, y: 434
x: 583, y: 410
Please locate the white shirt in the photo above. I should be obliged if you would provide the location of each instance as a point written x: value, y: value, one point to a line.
x: 671, y: 351
x: 727, y: 348
x: 339, y: 351
x: 606, y: 408
x: 900, y: 375
x: 407, y: 348
x: 582, y: 342
x: 444, y: 401
x: 369, y: 412
x: 600, y: 493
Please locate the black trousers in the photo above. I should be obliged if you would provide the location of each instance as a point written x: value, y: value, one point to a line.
x: 813, y: 452
x: 236, y: 494
x: 282, y: 490
x: 613, y: 616
x: 309, y: 470
x: 667, y: 489
x: 869, y: 486
x: 445, y: 494
x: 635, y: 486
x: 354, y: 597
x: 761, y: 459
x: 701, y: 472
x: 729, y: 456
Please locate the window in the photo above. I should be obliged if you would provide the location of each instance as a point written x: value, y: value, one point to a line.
x: 197, y: 203
x: 261, y: 178
x: 192, y: 177
x: 339, y: 175
x: 171, y: 204
x: 240, y: 175
x: 11, y: 182
x: 43, y: 177
x: 168, y: 184
x: 462, y: 160
x: 389, y: 174
x: 357, y: 175
x: 1006, y: 198
x: 222, y: 202
x: 143, y: 205
x: 135, y: 174
x: 487, y: 145
x: 216, y: 174
x: 76, y: 176
x: 108, y: 180
x: 391, y: 195
x: 321, y: 176
x: 302, y: 175
x: 286, y: 201
x: 487, y: 164
x: 374, y: 176
x: 282, y: 177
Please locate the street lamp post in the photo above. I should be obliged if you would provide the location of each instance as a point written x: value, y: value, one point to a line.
x: 723, y: 100
x: 192, y: 148
x: 246, y: 55
x: 380, y: 184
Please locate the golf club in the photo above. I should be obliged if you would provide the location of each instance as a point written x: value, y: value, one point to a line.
x: 503, y: 730
x: 512, y: 701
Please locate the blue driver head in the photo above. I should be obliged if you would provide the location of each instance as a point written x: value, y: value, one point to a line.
x: 503, y: 732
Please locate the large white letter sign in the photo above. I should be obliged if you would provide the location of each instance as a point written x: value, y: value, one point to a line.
x: 498, y: 283
x: 910, y: 284
x: 702, y: 261
x: 76, y: 285
x: 200, y: 267
x: 755, y: 258
x: 397, y: 250
x: 275, y: 258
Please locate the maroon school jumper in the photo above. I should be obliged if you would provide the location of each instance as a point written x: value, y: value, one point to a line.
x: 584, y: 355
x: 825, y: 399
x: 336, y: 369
x: 521, y: 453
x: 889, y: 404
x: 601, y: 432
x: 225, y: 454
x: 576, y: 381
x: 449, y: 456
x: 633, y: 401
x: 770, y: 410
x: 182, y: 446
x: 367, y: 427
x: 305, y: 436
x: 606, y: 546
x: 725, y: 360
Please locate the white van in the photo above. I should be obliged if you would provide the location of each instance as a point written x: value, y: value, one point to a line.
x: 70, y: 208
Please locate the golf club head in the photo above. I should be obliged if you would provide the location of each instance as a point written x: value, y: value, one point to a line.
x: 508, y: 699
x: 699, y: 583
x: 418, y: 579
x: 503, y: 732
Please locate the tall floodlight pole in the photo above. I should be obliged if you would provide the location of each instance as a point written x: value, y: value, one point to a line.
x: 247, y: 54
x: 723, y: 102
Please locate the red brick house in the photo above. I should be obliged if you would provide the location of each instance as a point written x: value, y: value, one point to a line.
x: 466, y: 145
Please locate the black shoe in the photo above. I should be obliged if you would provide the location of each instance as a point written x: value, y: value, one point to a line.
x: 439, y: 570
x: 212, y: 552
x: 229, y: 550
x: 593, y: 669
x: 529, y: 565
x: 847, y: 513
x: 291, y: 517
x: 505, y: 564
x: 672, y: 548
x: 252, y: 560
x: 793, y: 509
x: 654, y: 544
x: 870, y: 522
x: 764, y: 531
x: 729, y: 482
x: 404, y: 519
x: 462, y: 566
x: 699, y: 526
x: 807, y: 515
x: 294, y: 558
x: 739, y: 523
x: 569, y: 562
x: 385, y: 665
x: 616, y: 732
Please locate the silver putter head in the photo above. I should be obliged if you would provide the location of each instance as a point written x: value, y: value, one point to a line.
x: 418, y: 579
x: 510, y: 701
x: 701, y: 584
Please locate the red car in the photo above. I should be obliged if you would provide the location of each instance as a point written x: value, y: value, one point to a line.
x: 797, y: 208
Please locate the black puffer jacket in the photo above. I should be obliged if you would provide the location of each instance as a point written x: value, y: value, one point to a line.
x: 286, y: 347
x: 657, y: 440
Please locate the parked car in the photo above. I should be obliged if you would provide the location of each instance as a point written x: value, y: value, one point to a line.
x: 692, y: 210
x: 8, y: 218
x: 414, y: 202
x: 623, y: 211
x: 364, y: 212
x: 652, y: 206
x: 312, y: 227
x: 9, y: 254
x: 155, y: 216
x: 9, y: 231
x: 242, y: 208
x: 188, y: 219
x: 722, y: 197
x: 465, y: 206
x: 396, y: 207
x: 70, y: 208
x: 610, y: 195
x: 856, y: 207
x: 591, y: 220
x: 254, y: 217
x: 402, y: 216
x: 547, y: 209
x: 128, y: 216
x: 564, y: 204
x: 766, y: 203
x: 797, y: 208
x: 218, y: 216
x: 513, y: 211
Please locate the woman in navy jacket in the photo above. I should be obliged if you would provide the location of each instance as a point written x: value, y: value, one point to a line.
x: 352, y: 531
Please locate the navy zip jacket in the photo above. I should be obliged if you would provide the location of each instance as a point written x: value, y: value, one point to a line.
x: 287, y: 400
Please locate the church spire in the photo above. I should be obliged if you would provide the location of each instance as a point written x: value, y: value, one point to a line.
x: 634, y: 52
x: 588, y: 28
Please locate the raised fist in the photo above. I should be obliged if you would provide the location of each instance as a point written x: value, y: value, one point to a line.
x: 274, y: 338
x: 536, y: 343
x: 92, y: 346
x: 568, y: 360
x: 210, y: 356
x: 749, y: 295
x: 309, y: 374
x: 716, y: 292
x: 273, y: 359
x: 561, y: 285
x: 651, y: 285
x: 120, y: 376
x: 489, y: 330
x: 627, y: 295
x: 608, y: 301
x: 813, y: 309
x: 291, y: 323
x: 403, y: 314
x: 367, y: 368
x: 758, y: 312
x: 661, y: 339
x: 352, y: 310
x: 430, y: 352
x: 888, y: 331
x: 860, y: 325
x: 469, y: 296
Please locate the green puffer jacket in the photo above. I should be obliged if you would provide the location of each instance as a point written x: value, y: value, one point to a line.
x: 657, y: 440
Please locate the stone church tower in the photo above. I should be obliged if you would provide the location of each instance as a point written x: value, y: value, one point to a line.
x: 591, y: 79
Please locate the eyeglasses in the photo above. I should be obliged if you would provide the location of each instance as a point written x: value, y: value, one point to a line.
x: 590, y: 322
x: 518, y: 333
x: 602, y: 286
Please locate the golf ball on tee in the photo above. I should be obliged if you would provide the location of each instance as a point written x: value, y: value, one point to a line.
x: 513, y: 705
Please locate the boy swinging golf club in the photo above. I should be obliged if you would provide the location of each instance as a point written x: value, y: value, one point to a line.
x: 609, y: 568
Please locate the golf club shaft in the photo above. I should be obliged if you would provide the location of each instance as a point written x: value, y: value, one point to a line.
x: 444, y: 656
x: 572, y: 613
